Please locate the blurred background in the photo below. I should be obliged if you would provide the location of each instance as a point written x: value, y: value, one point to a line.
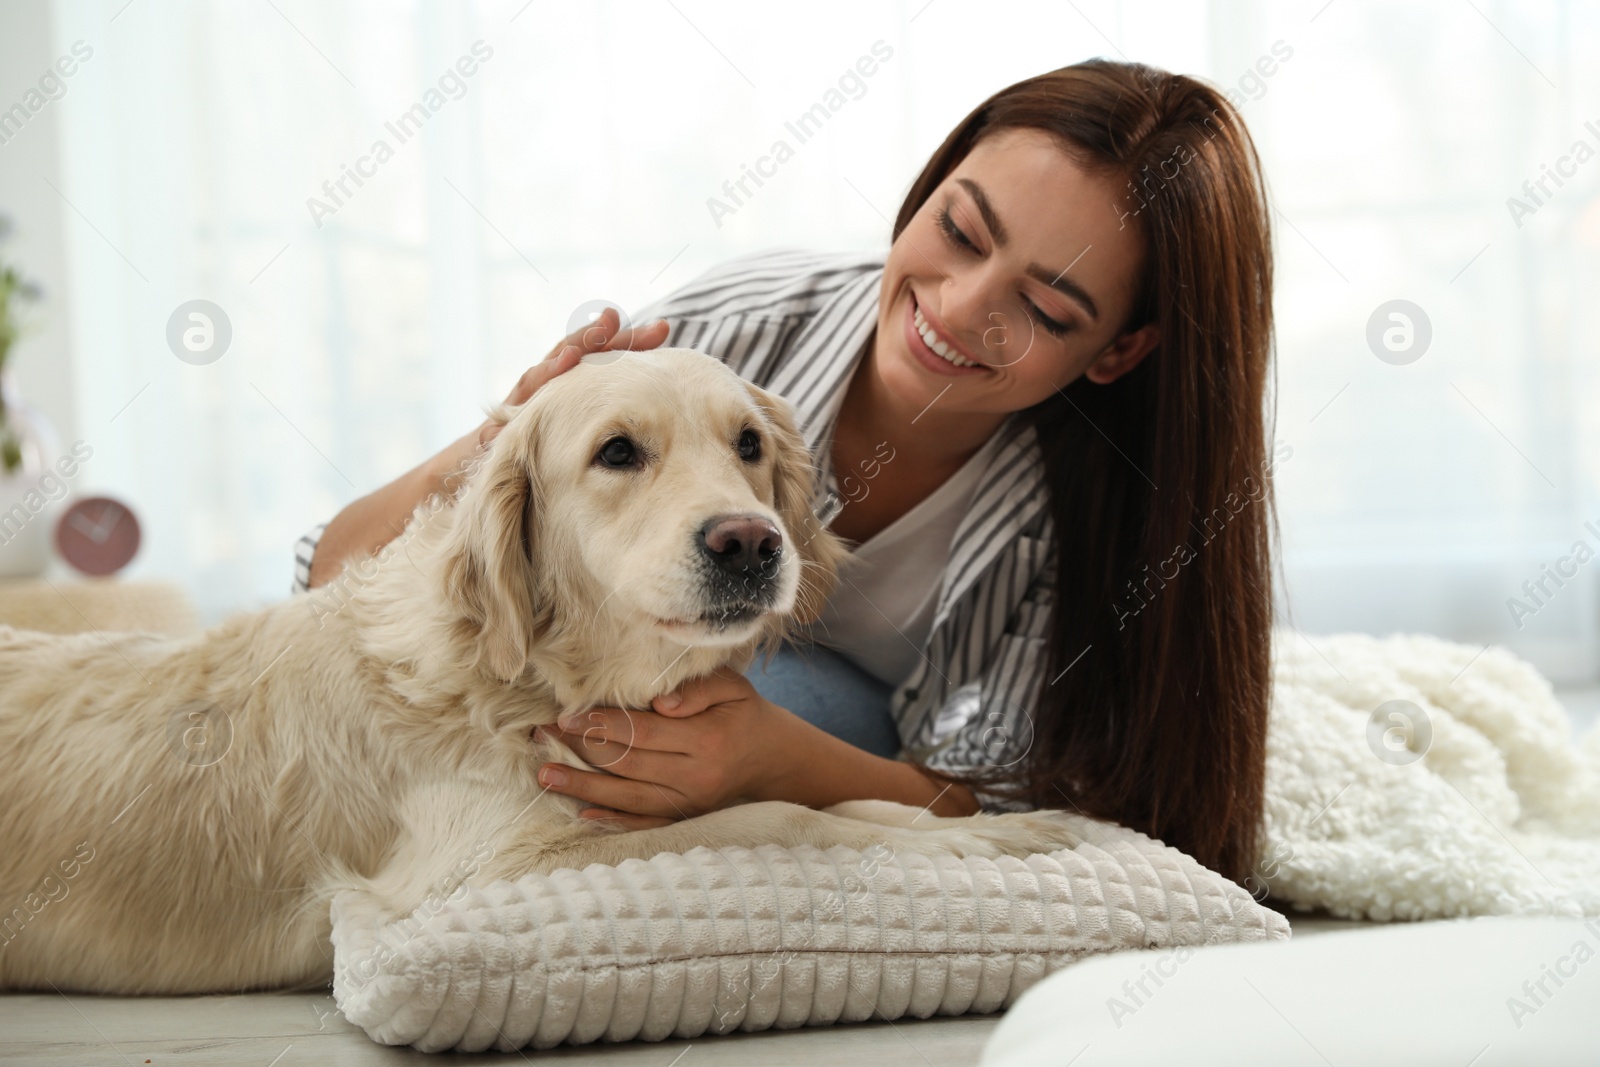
x: 195, y: 149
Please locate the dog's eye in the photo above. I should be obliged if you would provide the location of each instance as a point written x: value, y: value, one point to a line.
x: 749, y: 445
x: 617, y: 453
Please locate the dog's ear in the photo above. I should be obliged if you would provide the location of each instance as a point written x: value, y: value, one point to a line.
x: 490, y: 579
x: 794, y: 480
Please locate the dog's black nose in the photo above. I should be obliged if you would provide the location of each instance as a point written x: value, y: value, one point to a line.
x: 745, y: 545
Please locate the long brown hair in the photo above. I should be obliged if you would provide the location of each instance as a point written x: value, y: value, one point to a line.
x: 1160, y: 482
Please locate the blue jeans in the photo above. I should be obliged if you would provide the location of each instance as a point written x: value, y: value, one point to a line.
x: 830, y: 692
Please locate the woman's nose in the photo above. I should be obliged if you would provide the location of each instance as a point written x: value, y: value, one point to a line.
x: 969, y: 307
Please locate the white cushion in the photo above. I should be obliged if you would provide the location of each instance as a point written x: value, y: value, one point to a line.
x: 738, y: 939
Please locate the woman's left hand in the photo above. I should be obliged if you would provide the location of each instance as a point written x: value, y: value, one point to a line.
x: 709, y: 742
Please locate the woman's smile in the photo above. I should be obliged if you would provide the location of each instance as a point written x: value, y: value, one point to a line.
x: 932, y: 346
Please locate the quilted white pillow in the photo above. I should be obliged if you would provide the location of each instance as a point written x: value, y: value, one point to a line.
x: 739, y: 939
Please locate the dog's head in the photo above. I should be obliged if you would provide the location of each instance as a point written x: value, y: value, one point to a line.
x: 656, y: 487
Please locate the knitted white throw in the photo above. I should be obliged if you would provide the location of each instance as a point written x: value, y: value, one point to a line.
x: 739, y: 939
x: 1501, y: 815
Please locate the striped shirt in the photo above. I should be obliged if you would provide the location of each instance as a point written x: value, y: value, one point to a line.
x: 796, y: 323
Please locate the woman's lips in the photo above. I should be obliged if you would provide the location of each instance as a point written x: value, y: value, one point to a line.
x: 926, y: 356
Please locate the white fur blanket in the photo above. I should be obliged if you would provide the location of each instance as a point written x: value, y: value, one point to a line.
x: 1410, y: 777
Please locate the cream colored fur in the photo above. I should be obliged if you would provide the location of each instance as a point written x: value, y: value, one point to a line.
x: 179, y: 812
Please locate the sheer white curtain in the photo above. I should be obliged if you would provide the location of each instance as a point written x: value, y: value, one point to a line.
x: 1422, y: 496
x: 576, y: 160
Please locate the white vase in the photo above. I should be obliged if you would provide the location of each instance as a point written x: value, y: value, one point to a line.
x: 30, y: 495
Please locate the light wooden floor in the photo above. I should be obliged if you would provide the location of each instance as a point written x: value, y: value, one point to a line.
x: 301, y: 1030
x: 305, y: 1030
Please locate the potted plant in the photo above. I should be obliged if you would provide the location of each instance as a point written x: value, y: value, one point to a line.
x: 26, y: 499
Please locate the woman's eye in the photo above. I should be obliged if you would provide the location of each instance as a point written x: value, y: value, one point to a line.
x: 1050, y: 325
x: 749, y: 445
x: 952, y: 232
x: 618, y: 452
x: 956, y: 237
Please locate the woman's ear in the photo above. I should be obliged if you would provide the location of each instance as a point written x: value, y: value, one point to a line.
x: 1123, y: 354
x: 794, y: 480
x: 490, y: 578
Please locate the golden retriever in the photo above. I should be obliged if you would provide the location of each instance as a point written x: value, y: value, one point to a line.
x: 180, y: 812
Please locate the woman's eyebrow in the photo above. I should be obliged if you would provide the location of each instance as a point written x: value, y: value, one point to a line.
x: 986, y: 209
x: 1065, y: 286
x: 1056, y: 280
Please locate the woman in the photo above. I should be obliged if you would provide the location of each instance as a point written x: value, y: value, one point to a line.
x: 1043, y: 416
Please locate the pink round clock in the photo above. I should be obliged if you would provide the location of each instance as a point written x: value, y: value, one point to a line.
x: 98, y: 535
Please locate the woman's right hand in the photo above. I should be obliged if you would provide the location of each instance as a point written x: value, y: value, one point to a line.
x: 601, y: 335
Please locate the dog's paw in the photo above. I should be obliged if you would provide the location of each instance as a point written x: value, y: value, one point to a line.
x: 1038, y: 831
x: 883, y: 813
x: 985, y: 836
x: 1012, y: 834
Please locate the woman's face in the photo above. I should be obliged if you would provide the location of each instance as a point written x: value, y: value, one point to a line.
x: 1021, y: 265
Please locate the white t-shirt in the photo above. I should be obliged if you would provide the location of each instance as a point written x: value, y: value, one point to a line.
x: 881, y: 612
